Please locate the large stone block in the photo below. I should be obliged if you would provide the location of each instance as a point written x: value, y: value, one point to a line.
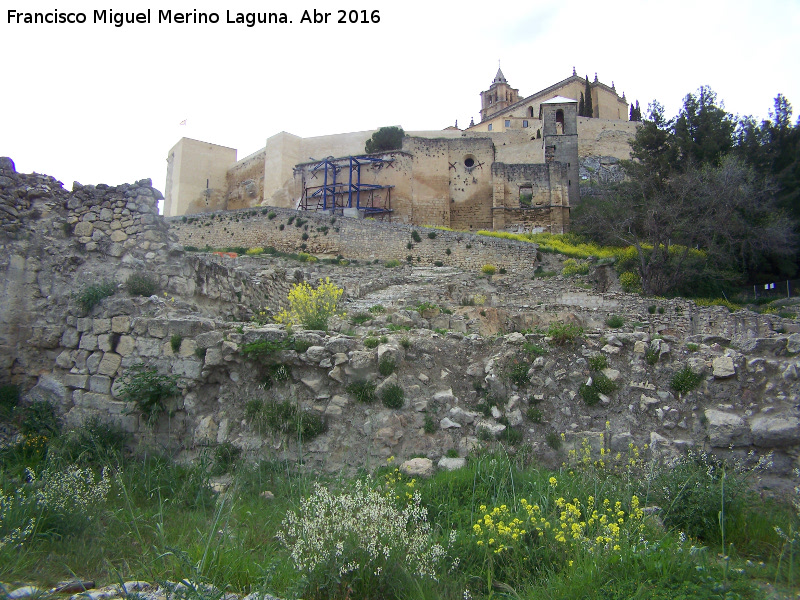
x: 110, y: 363
x: 772, y: 431
x: 725, y: 429
x: 121, y: 324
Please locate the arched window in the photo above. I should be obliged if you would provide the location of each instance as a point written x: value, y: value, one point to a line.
x: 559, y: 121
x: 530, y: 111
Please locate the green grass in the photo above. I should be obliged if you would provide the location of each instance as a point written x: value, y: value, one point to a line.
x: 175, y: 527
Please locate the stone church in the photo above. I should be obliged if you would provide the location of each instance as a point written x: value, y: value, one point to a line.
x: 520, y: 168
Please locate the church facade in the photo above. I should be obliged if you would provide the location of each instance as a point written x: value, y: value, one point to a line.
x: 517, y: 169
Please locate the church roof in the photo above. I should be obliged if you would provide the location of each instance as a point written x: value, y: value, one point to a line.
x: 499, y: 78
x: 558, y: 100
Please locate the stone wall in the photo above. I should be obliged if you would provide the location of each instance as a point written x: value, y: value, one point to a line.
x: 362, y: 239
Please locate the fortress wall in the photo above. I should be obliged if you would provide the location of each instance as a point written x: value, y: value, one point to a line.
x: 245, y: 181
x: 197, y: 177
x: 353, y: 238
x: 601, y: 137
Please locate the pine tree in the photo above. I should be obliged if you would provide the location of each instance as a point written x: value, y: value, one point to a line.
x: 588, y: 109
x: 582, y: 107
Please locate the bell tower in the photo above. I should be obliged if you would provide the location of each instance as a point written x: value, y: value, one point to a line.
x: 559, y: 117
x: 498, y: 96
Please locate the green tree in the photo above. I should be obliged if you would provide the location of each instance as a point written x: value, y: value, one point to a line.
x: 704, y: 130
x: 588, y: 109
x: 386, y: 138
x: 581, y: 106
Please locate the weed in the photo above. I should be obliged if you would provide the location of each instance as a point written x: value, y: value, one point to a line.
x: 448, y: 251
x: 685, y: 380
x: 285, y: 417
x: 262, y: 348
x: 517, y: 373
x: 430, y: 425
x: 651, y: 356
x: 692, y: 347
x: 226, y: 455
x: 360, y: 318
x: 9, y: 399
x: 371, y: 342
x: 311, y: 307
x: 141, y: 284
x: 391, y: 264
x: 386, y: 365
x: 392, y: 396
x: 405, y: 342
x: 175, y: 342
x: 38, y: 418
x: 600, y: 385
x: 661, y: 310
x: 534, y: 414
x: 572, y: 267
x: 147, y: 389
x: 91, y: 295
x: 488, y: 270
x: 511, y: 435
x: 564, y: 334
x: 598, y: 362
x: 271, y: 215
x: 630, y: 282
x: 415, y: 236
x: 438, y: 263
x: 615, y: 321
x: 377, y: 309
x: 362, y: 390
x: 300, y: 345
x: 553, y: 440
x: 651, y: 309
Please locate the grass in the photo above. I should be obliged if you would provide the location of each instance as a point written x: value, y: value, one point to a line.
x: 176, y: 528
x: 91, y: 295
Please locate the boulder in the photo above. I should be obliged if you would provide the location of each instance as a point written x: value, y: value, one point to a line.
x: 723, y: 367
x: 772, y: 431
x: 725, y: 428
x: 417, y: 467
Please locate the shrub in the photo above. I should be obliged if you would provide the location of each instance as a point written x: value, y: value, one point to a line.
x: 532, y: 349
x: 615, y: 321
x: 371, y: 342
x: 285, y: 417
x: 362, y: 390
x: 141, y: 284
x: 598, y: 362
x: 692, y: 347
x: 405, y: 342
x: 589, y: 394
x: 502, y: 271
x: 91, y: 295
x: 391, y: 264
x: 271, y: 215
x: 438, y: 263
x: 175, y: 343
x: 386, y: 365
x: 488, y: 270
x: 651, y: 356
x: 651, y: 309
x: 254, y: 251
x: 147, y: 389
x: 432, y: 235
x: 448, y: 251
x: 518, y: 373
x: 564, y: 333
x: 511, y: 435
x: 38, y: 418
x: 301, y: 345
x: 553, y: 440
x: 360, y: 318
x: 377, y: 309
x: 9, y: 399
x: 276, y: 373
x: 430, y: 424
x: 534, y: 414
x: 94, y: 442
x: 572, y: 267
x: 600, y: 385
x: 415, y: 236
x: 225, y: 457
x: 392, y: 396
x: 262, y: 348
x: 661, y: 310
x: 335, y: 547
x: 311, y: 307
x: 630, y: 281
x: 685, y: 380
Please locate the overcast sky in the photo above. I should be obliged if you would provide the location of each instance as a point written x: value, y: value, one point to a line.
x: 101, y: 104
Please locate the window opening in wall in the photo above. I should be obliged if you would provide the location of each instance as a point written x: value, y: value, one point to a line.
x: 559, y: 121
x: 490, y: 126
x: 525, y: 196
x: 469, y: 161
x: 508, y: 123
x: 524, y: 123
x: 530, y: 111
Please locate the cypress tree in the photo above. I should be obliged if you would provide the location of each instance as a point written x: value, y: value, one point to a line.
x: 632, y: 116
x: 582, y: 107
x: 588, y: 109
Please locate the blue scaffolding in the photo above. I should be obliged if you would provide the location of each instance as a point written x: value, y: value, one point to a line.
x: 335, y: 194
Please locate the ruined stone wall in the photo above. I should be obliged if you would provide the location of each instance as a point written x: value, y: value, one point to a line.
x: 245, y: 182
x: 361, y: 239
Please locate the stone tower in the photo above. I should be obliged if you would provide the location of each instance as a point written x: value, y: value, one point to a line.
x: 559, y: 118
x: 498, y: 96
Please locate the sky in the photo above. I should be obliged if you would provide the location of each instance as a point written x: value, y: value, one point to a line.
x: 96, y: 103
